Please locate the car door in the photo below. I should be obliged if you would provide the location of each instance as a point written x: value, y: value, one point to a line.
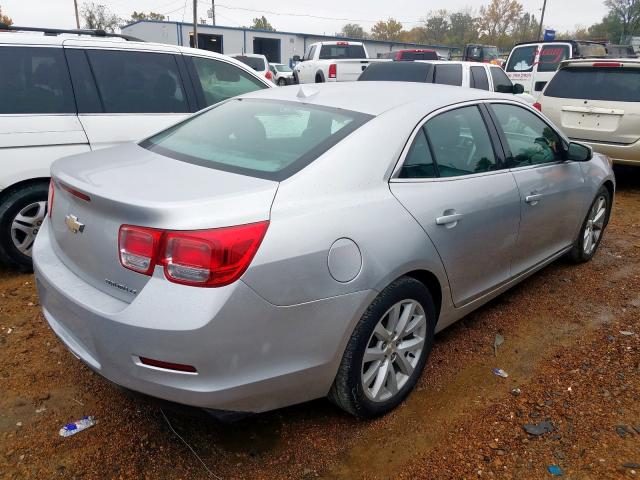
x: 305, y: 73
x: 215, y: 80
x: 126, y: 95
x: 552, y: 190
x: 452, y: 182
x: 38, y: 120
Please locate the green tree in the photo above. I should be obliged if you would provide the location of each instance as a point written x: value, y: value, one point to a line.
x: 463, y: 28
x: 497, y: 20
x: 525, y: 28
x: 610, y: 28
x: 352, y: 30
x: 97, y: 16
x: 627, y: 12
x: 137, y: 16
x: 262, y: 24
x: 436, y: 26
x: 5, y: 18
x: 389, y: 30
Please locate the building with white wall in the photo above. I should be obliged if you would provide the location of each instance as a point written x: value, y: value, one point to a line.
x: 278, y: 47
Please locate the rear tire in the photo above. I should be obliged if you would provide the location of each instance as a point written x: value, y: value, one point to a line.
x: 282, y: 82
x: 21, y: 215
x: 319, y: 79
x: 396, y: 333
x: 593, y: 227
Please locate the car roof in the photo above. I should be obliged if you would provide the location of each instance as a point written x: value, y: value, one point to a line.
x: 254, y: 55
x: 595, y: 62
x: 375, y: 98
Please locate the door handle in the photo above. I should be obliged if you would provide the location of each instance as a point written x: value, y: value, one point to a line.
x: 451, y: 219
x: 533, y: 198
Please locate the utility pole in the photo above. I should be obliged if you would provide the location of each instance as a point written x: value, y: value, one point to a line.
x: 195, y: 23
x: 75, y: 6
x: 213, y: 12
x: 544, y: 7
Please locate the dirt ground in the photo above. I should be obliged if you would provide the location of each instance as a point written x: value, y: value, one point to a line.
x: 572, y: 348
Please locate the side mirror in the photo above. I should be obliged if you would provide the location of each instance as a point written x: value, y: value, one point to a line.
x: 579, y: 152
x: 296, y: 58
x: 518, y: 88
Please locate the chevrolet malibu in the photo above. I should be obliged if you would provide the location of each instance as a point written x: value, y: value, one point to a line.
x: 303, y: 242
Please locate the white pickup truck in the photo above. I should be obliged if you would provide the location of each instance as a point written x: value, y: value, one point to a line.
x: 332, y: 62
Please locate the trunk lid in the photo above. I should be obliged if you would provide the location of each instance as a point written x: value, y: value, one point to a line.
x: 131, y: 185
x: 599, y: 121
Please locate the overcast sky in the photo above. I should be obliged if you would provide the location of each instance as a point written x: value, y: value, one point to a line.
x: 561, y: 14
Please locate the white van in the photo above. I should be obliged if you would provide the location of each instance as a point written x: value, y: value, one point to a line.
x: 63, y: 94
x: 533, y: 64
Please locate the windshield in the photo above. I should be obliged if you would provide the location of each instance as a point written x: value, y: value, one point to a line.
x: 611, y: 84
x: 333, y: 52
x: 260, y: 138
x: 282, y: 68
x: 256, y: 63
x: 522, y: 59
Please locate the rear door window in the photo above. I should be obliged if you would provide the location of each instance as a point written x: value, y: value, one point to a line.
x: 138, y: 82
x: 593, y: 83
x: 419, y: 162
x: 501, y: 82
x: 34, y: 80
x: 448, y: 75
x: 551, y: 55
x: 461, y: 143
x: 522, y: 59
x: 479, y: 78
x: 217, y: 81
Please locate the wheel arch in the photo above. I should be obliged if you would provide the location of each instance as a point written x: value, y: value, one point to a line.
x: 320, y: 75
x: 431, y: 282
x: 608, y: 184
x: 20, y: 185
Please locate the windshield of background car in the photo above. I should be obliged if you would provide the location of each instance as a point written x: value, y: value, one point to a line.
x: 333, y: 52
x: 522, y: 59
x: 610, y: 84
x: 490, y: 53
x: 588, y: 50
x: 283, y: 68
x: 256, y: 63
x: 551, y: 56
x: 256, y: 137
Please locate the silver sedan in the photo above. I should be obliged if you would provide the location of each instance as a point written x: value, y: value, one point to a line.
x: 303, y: 242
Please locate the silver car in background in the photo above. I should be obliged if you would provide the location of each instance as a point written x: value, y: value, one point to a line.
x: 296, y: 243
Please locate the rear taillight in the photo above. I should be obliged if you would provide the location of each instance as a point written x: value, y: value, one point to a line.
x: 205, y: 258
x: 50, y: 197
x: 269, y: 75
x: 138, y: 247
x: 607, y: 64
x: 537, y: 106
x: 333, y: 70
x: 75, y: 193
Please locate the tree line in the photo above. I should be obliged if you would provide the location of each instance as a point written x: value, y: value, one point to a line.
x: 501, y: 22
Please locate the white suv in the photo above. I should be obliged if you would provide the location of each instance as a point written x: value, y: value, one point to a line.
x: 63, y: 93
x: 598, y: 102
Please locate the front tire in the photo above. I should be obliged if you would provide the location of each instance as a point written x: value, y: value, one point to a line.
x: 21, y: 215
x: 593, y: 227
x: 387, y: 350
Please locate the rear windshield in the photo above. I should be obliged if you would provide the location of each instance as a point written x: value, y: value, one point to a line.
x: 418, y: 56
x: 522, y: 59
x: 259, y: 138
x: 612, y: 84
x: 331, y: 52
x: 282, y: 68
x: 396, y: 72
x: 256, y: 63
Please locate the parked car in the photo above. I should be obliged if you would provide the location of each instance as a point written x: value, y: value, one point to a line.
x: 332, y: 62
x: 621, y: 51
x: 533, y: 64
x: 278, y: 247
x: 481, y: 53
x: 412, y: 54
x: 461, y: 74
x: 598, y: 103
x: 62, y: 94
x: 282, y: 74
x: 257, y: 62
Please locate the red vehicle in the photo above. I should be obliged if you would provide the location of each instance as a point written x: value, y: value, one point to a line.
x: 481, y: 53
x: 409, y: 55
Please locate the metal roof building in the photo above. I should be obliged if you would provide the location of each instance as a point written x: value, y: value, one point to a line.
x: 278, y: 47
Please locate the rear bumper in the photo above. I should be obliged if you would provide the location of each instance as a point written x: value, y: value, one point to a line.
x: 619, y: 153
x: 250, y: 355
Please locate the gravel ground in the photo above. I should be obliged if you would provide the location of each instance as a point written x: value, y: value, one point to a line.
x: 564, y: 352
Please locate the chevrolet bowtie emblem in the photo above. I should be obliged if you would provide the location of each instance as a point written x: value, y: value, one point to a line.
x: 73, y: 224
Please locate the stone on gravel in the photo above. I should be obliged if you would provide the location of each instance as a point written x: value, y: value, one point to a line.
x: 539, y: 428
x: 631, y: 465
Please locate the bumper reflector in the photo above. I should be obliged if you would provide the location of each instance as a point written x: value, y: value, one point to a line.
x: 178, y: 367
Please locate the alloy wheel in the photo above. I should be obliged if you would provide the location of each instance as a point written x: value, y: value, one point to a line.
x: 595, y: 225
x: 25, y: 226
x: 393, y: 350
